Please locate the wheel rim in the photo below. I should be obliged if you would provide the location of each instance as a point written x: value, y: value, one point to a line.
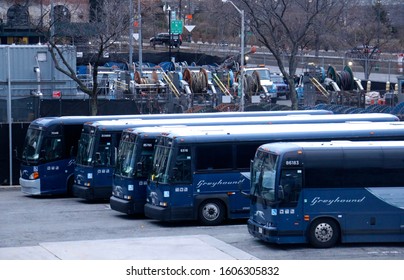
x: 210, y: 211
x: 323, y: 232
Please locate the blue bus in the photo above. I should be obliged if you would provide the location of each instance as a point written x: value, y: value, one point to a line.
x: 323, y: 193
x: 43, y: 174
x: 135, y: 151
x: 96, y: 152
x: 203, y: 175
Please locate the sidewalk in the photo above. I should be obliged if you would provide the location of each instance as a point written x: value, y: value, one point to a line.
x: 190, y: 247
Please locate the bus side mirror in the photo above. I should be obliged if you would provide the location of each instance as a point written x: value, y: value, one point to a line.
x: 97, y: 157
x: 281, y: 193
x: 42, y: 155
x: 175, y: 174
x: 115, y: 156
x: 15, y: 152
x: 139, y: 167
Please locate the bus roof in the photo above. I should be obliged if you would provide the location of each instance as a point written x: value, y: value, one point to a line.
x: 115, y: 125
x: 48, y: 121
x: 281, y: 132
x: 282, y: 147
x: 72, y: 120
x: 154, y: 131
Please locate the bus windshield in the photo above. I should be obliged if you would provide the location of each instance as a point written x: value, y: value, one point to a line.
x: 32, y: 145
x: 85, y: 149
x: 161, y: 164
x: 125, y: 162
x: 263, y: 175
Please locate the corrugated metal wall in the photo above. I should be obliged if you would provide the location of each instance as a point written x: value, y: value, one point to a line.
x: 24, y: 80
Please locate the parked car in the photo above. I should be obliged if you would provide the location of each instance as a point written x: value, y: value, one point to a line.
x: 282, y: 88
x: 164, y: 39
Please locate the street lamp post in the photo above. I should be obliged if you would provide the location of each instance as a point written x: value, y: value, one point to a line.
x: 130, y: 35
x: 378, y: 2
x: 140, y: 38
x: 241, y: 82
x: 169, y: 32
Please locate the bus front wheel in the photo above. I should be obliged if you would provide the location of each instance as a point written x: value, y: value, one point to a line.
x: 211, y: 212
x: 324, y: 233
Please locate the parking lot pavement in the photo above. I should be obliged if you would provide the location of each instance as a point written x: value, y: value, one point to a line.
x: 194, y: 247
x: 189, y: 247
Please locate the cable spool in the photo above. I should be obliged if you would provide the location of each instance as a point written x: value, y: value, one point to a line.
x: 146, y: 80
x: 198, y: 81
x: 344, y: 79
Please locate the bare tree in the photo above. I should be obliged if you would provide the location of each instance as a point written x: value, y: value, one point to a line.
x: 366, y: 33
x: 109, y: 23
x: 283, y: 26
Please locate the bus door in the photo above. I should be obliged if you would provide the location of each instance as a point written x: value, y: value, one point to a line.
x: 289, y: 211
x: 104, y: 162
x: 170, y: 188
x: 181, y: 190
x: 55, y: 169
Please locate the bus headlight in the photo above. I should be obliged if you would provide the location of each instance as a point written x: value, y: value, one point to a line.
x: 34, y: 176
x: 163, y: 204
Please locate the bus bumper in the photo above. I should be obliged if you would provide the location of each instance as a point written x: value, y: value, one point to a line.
x: 31, y: 187
x: 90, y: 193
x: 126, y: 206
x: 263, y: 233
x: 157, y: 212
x: 169, y: 214
x: 83, y: 192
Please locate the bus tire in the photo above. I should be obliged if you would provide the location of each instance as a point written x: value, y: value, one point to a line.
x: 324, y: 233
x: 211, y: 212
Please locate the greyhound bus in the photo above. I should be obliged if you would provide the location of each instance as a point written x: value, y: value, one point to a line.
x: 96, y: 155
x: 135, y: 152
x: 48, y: 154
x: 323, y: 193
x: 204, y: 174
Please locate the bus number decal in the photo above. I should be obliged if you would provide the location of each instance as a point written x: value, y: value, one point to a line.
x: 286, y: 211
x: 292, y: 162
x: 52, y: 167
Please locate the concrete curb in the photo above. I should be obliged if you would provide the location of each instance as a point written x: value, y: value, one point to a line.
x: 8, y: 187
